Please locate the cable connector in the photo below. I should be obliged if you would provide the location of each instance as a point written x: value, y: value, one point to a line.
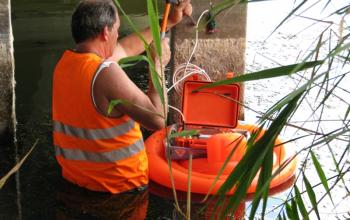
x: 211, y: 25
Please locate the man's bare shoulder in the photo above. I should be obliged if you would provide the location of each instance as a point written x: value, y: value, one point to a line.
x: 111, y: 72
x: 113, y: 83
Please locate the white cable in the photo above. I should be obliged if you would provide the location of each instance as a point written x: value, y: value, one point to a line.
x: 193, y: 69
x: 196, y: 42
x: 178, y: 110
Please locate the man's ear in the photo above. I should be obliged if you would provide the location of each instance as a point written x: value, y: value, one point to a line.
x: 104, y: 34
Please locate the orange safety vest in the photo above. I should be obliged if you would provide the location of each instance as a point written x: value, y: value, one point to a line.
x: 96, y: 152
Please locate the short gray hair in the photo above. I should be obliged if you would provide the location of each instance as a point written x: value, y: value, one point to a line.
x: 90, y: 17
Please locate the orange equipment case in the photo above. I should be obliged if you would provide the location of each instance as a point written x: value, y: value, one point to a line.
x: 214, y: 107
x: 209, y: 110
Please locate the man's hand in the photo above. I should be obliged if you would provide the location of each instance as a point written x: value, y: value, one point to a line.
x: 132, y: 45
x: 184, y: 8
x: 165, y: 53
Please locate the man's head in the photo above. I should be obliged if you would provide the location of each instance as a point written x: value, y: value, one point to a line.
x: 91, y: 17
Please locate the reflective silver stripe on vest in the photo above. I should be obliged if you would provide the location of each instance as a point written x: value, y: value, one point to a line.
x: 94, y: 134
x: 110, y: 156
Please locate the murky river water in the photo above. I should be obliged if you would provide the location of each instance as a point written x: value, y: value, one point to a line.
x: 41, y: 31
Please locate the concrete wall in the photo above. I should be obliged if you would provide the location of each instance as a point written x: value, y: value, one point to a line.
x: 7, y: 116
x: 217, y: 53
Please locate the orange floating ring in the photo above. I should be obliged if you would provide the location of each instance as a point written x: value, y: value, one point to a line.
x: 201, y: 182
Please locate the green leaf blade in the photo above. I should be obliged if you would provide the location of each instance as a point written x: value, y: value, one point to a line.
x: 295, y: 214
x: 320, y: 173
x: 312, y: 195
x: 264, y: 74
x: 137, y: 32
x: 114, y: 103
x: 124, y: 62
x: 156, y: 81
x: 154, y: 25
x: 184, y: 133
x: 289, y: 211
x: 300, y: 203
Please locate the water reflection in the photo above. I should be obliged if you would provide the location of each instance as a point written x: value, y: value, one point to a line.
x: 199, y: 209
x: 277, y: 196
x: 78, y: 203
x: 8, y: 194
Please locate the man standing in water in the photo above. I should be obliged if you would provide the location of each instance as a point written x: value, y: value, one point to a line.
x: 98, y: 151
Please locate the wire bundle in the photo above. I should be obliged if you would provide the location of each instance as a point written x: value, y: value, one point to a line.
x: 183, y: 72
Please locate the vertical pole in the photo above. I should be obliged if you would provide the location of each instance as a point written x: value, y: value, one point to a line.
x: 7, y: 81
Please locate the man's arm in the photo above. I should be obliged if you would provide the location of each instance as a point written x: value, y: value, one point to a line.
x: 131, y: 45
x: 113, y: 83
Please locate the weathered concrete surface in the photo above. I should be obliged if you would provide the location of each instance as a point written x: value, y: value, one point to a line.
x: 7, y: 116
x: 218, y: 53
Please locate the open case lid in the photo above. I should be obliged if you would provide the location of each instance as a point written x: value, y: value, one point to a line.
x: 210, y: 107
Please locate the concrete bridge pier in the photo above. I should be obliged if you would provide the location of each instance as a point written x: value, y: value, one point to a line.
x: 217, y: 53
x: 7, y: 81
